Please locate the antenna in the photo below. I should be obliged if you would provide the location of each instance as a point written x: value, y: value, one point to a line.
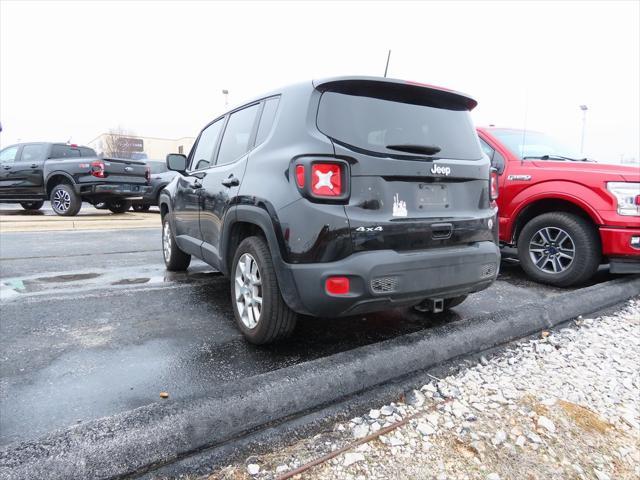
x: 524, y: 127
x: 387, y: 65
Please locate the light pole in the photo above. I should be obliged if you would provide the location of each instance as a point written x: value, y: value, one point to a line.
x: 584, y: 122
x: 225, y: 92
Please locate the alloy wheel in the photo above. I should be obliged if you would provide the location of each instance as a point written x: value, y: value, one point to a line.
x: 248, y: 290
x: 552, y: 250
x: 61, y: 201
x: 166, y: 241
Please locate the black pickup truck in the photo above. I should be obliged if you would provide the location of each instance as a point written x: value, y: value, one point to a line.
x: 31, y: 173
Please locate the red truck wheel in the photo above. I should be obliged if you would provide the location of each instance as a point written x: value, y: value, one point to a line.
x: 559, y: 248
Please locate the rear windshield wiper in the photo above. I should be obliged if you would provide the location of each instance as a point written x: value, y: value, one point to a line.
x: 555, y: 157
x: 418, y: 149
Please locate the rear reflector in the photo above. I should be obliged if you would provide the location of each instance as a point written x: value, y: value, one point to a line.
x: 337, y: 285
x: 326, y: 179
x: 300, y: 175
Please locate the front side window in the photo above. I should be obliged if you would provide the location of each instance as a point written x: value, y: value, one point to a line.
x: 8, y: 154
x: 486, y: 148
x: 33, y: 153
x: 203, y: 154
x: 235, y: 142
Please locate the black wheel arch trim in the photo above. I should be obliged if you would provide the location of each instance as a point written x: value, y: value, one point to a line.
x: 264, y: 219
x: 61, y: 173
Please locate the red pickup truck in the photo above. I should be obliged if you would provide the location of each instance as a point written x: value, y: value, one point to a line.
x: 565, y: 214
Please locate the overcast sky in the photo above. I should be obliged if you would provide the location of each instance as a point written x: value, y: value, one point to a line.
x: 72, y: 70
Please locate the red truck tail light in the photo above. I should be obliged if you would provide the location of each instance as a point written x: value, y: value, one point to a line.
x: 494, y: 185
x: 337, y: 285
x: 326, y: 179
x: 97, y: 169
x: 637, y: 199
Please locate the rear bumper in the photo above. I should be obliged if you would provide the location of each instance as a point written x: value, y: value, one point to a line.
x: 385, y: 279
x: 108, y: 190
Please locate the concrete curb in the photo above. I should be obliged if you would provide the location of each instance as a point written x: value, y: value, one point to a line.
x: 153, y: 435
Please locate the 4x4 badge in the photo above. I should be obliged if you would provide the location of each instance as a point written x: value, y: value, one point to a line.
x: 369, y: 229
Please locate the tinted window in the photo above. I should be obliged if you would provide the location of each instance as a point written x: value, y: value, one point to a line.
x: 373, y: 123
x: 486, y: 148
x: 266, y: 119
x: 64, y: 151
x: 203, y: 154
x: 87, y: 152
x: 235, y: 142
x: 8, y: 154
x: 533, y: 144
x: 157, y: 167
x: 33, y: 153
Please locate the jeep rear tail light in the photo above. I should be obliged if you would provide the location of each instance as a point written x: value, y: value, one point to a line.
x: 147, y: 173
x: 326, y: 179
x: 97, y: 169
x: 300, y: 175
x: 494, y: 185
x: 337, y: 285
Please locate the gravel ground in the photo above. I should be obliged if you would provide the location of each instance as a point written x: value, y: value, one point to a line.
x: 563, y: 406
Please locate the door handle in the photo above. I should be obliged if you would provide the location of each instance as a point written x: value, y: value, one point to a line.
x: 231, y: 181
x: 197, y: 184
x: 34, y: 165
x: 7, y: 167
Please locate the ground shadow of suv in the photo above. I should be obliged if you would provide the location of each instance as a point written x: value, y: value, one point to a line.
x: 336, y: 197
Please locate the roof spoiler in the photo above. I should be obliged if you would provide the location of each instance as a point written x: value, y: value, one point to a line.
x: 398, y: 90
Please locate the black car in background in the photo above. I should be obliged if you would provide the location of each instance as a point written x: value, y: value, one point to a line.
x: 68, y: 175
x: 336, y: 197
x: 160, y: 178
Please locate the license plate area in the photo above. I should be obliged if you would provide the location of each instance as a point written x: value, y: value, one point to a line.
x: 432, y: 195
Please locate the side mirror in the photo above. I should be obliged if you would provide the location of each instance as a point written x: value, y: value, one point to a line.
x: 177, y: 162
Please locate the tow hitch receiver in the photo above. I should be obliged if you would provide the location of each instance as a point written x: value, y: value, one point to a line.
x: 434, y: 305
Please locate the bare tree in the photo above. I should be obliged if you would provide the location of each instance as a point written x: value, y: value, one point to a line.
x: 120, y: 143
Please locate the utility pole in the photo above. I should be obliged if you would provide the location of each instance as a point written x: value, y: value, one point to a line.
x: 225, y: 92
x: 387, y: 65
x: 584, y: 109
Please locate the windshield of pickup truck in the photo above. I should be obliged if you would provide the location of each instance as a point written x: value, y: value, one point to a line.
x: 397, y: 128
x: 535, y: 145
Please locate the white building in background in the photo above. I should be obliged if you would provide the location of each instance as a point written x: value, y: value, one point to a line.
x: 152, y: 148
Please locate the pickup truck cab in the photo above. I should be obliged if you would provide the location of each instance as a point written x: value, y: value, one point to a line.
x: 565, y: 214
x: 31, y: 173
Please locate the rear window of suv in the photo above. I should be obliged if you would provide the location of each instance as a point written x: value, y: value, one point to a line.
x: 372, y: 123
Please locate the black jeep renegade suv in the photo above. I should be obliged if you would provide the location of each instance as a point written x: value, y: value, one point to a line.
x: 336, y: 197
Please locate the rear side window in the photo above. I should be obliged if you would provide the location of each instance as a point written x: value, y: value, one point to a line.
x: 33, y: 153
x: 266, y: 119
x: 372, y: 123
x: 203, y: 154
x: 87, y: 152
x: 235, y: 142
x: 64, y: 151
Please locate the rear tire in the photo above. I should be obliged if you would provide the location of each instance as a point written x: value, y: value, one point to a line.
x: 174, y: 259
x: 118, y: 206
x: 32, y: 205
x: 139, y: 207
x: 560, y: 249
x: 259, y: 309
x: 65, y: 201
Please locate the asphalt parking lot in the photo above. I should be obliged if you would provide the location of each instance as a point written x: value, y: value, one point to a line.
x: 93, y: 325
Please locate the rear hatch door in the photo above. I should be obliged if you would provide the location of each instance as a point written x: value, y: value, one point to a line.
x: 418, y: 176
